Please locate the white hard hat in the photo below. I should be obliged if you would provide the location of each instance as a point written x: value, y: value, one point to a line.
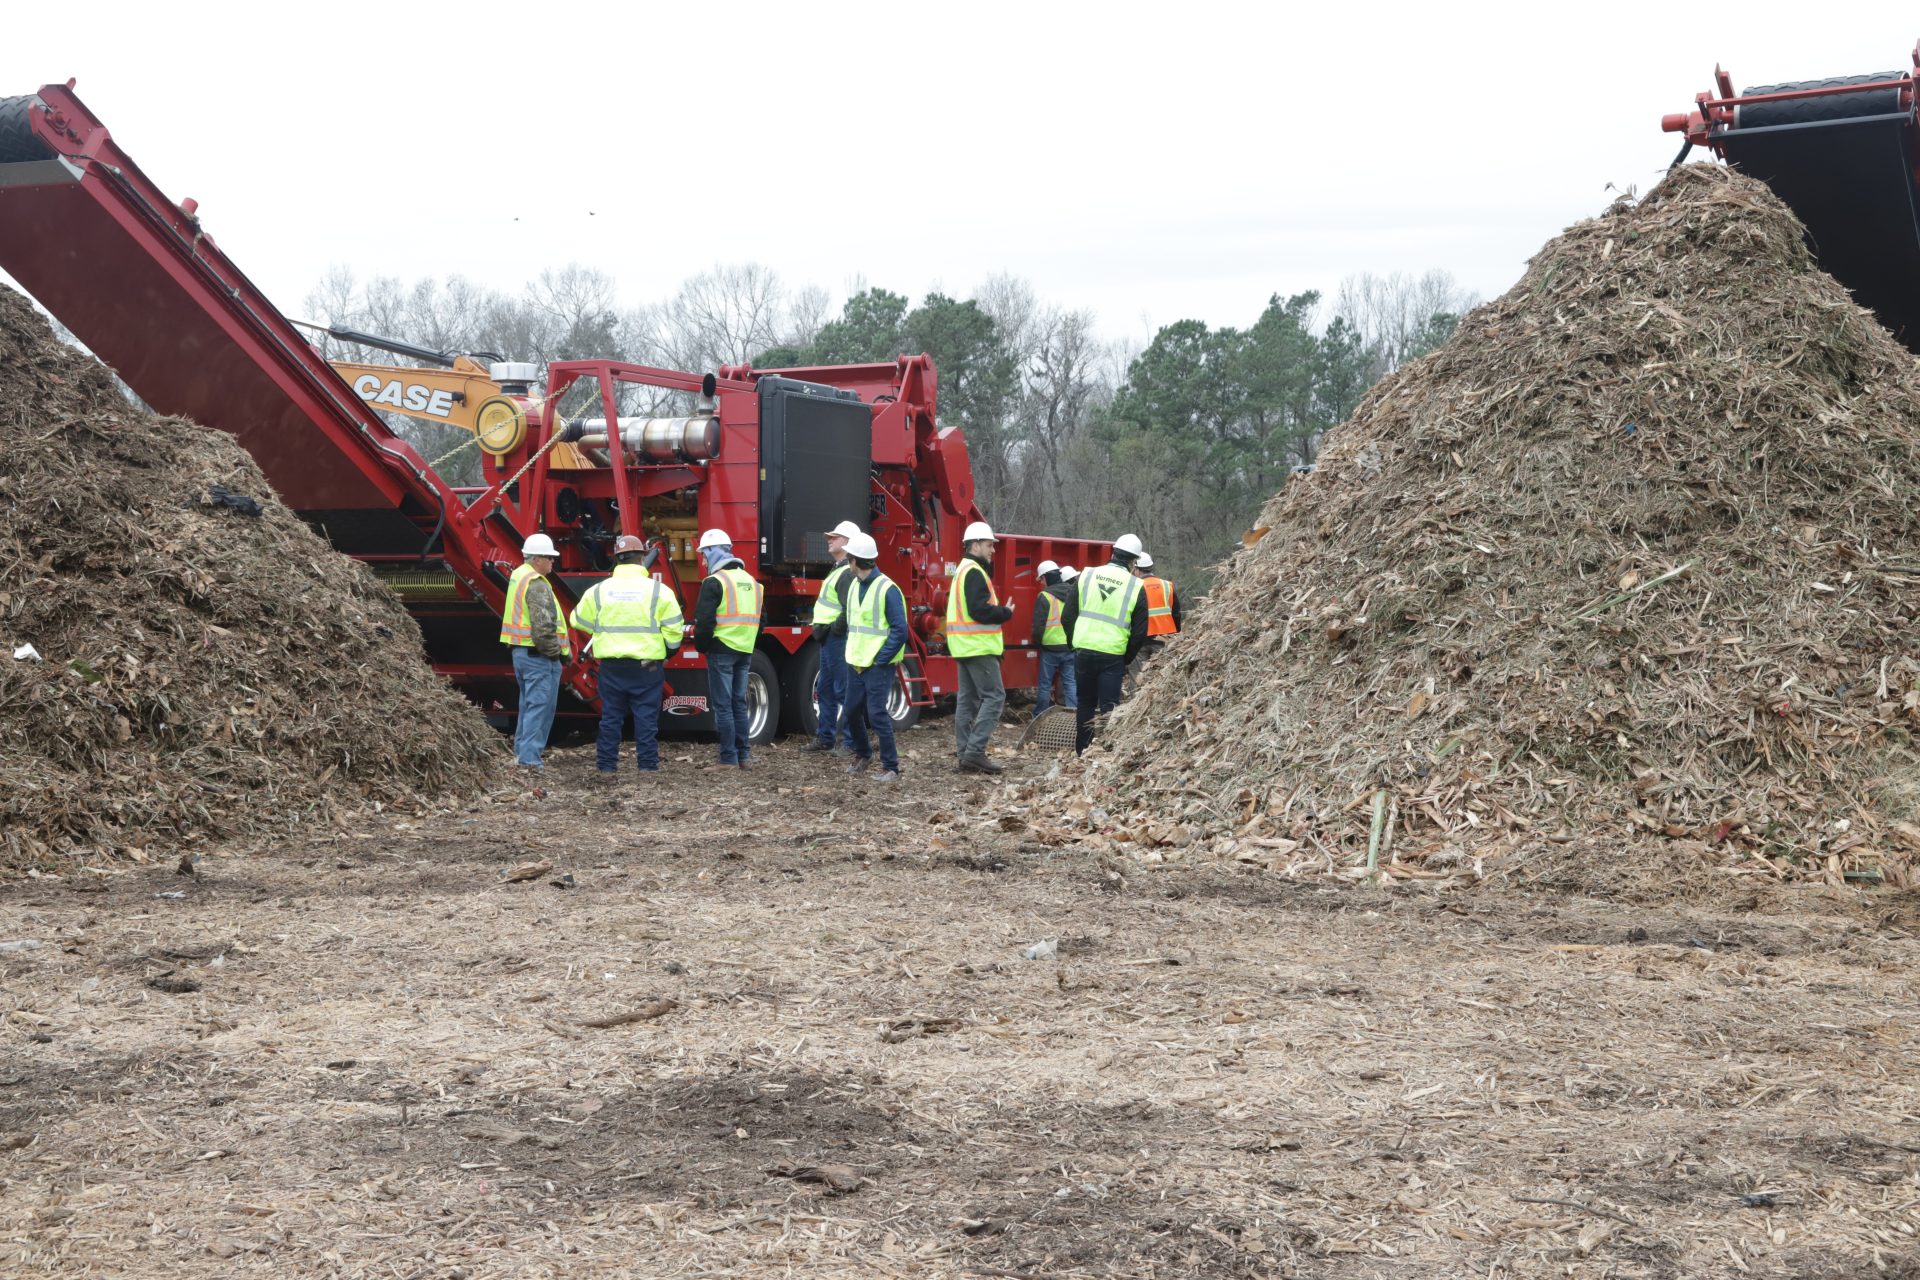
x: 861, y: 546
x: 978, y: 531
x: 845, y: 529
x: 539, y: 544
x: 1129, y: 543
x: 714, y: 538
x: 1145, y: 561
x: 1069, y: 573
x: 1046, y: 567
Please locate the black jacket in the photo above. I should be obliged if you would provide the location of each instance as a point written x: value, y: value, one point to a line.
x: 706, y: 610
x: 1064, y: 593
x: 980, y: 606
x: 1136, y: 624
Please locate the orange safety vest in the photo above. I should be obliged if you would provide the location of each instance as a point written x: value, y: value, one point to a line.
x: 1159, y: 607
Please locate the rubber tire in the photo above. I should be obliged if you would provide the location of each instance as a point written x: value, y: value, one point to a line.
x: 910, y: 665
x: 18, y: 142
x: 800, y: 715
x: 763, y: 668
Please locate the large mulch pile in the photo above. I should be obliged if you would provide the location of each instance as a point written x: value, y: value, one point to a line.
x: 203, y: 671
x: 1626, y: 575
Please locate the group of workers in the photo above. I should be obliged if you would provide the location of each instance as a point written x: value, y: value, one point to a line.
x: 1088, y: 627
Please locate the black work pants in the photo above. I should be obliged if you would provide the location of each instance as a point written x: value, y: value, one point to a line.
x: 1098, y: 677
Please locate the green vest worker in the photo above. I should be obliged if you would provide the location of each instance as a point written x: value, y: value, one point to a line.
x: 1049, y: 636
x: 876, y: 642
x: 974, y: 638
x: 635, y: 623
x: 1107, y: 619
x: 533, y: 627
x: 726, y: 624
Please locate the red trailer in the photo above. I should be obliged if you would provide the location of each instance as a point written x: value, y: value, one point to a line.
x: 775, y: 457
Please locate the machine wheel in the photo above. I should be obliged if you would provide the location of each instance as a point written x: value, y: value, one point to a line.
x: 905, y: 714
x: 763, y: 699
x: 801, y: 715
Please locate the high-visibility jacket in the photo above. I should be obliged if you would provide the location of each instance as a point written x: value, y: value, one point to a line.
x: 737, y: 625
x: 516, y: 619
x: 967, y: 638
x: 1056, y: 630
x: 630, y: 615
x: 1159, y: 606
x: 867, y: 619
x: 826, y: 606
x: 1106, y: 599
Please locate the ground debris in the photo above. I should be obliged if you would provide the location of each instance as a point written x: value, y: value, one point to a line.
x: 657, y: 1007
x: 525, y: 871
x: 835, y: 1177
x: 913, y: 1028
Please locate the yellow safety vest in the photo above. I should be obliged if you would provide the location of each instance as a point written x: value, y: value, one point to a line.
x: 737, y: 624
x: 1106, y: 598
x: 867, y: 619
x: 516, y: 620
x: 965, y: 637
x: 826, y: 606
x: 1056, y: 631
x: 629, y: 615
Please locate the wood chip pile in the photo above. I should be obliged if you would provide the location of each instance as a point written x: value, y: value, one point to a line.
x: 1629, y: 570
x: 201, y: 670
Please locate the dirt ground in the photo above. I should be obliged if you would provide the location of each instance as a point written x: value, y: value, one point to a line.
x: 367, y: 1055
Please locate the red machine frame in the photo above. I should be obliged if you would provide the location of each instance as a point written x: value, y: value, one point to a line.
x: 137, y: 278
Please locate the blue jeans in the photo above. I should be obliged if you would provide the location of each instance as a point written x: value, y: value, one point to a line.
x: 831, y: 689
x: 629, y: 687
x: 867, y: 694
x: 1062, y: 663
x: 727, y: 698
x: 1099, y: 678
x: 539, y: 680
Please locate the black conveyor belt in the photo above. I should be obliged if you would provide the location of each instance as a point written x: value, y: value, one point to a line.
x: 1844, y: 164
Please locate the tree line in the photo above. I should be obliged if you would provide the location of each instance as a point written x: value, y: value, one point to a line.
x: 1180, y: 440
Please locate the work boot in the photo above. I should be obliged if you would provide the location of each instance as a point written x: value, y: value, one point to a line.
x: 814, y: 744
x: 859, y: 764
x: 979, y: 764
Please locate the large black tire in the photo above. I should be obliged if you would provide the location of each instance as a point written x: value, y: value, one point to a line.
x: 905, y: 714
x: 763, y: 699
x: 18, y: 142
x: 801, y: 715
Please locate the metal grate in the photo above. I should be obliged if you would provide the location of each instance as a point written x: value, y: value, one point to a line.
x: 1051, y: 730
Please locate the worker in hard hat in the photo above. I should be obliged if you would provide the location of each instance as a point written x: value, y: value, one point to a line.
x: 535, y: 629
x: 635, y: 622
x: 876, y: 642
x: 975, y: 639
x: 1049, y: 636
x: 1164, y: 614
x: 830, y: 634
x: 726, y: 625
x: 1107, y: 620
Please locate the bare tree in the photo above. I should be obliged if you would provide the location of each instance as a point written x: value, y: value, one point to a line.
x: 807, y: 313
x: 725, y: 315
x: 1400, y: 316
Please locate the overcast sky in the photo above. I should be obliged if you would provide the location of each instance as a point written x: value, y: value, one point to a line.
x: 1146, y: 162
